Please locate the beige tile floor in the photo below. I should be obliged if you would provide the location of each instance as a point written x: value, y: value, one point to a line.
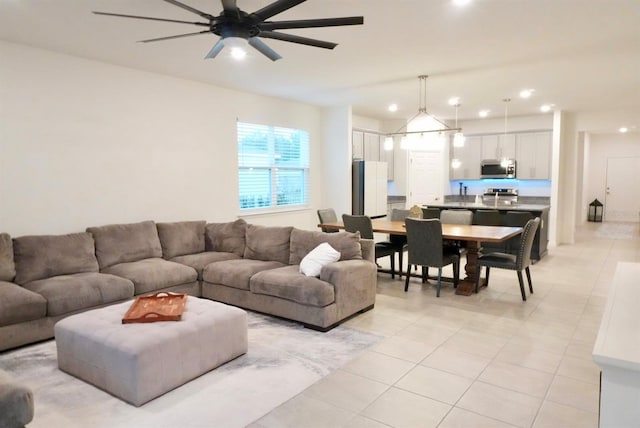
x: 487, y: 360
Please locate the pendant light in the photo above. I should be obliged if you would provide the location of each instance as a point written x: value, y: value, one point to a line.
x: 458, y: 137
x: 504, y: 162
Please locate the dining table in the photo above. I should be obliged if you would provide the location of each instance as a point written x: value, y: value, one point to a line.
x: 473, y: 235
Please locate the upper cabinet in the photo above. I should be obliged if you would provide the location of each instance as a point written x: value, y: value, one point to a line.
x: 469, y: 157
x: 370, y: 146
x: 533, y: 156
x: 531, y: 150
x: 499, y: 146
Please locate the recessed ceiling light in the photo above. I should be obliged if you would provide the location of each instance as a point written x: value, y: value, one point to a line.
x: 526, y: 93
x: 623, y: 129
x: 545, y: 108
x: 461, y: 2
x: 393, y: 107
x: 484, y: 113
x: 454, y: 101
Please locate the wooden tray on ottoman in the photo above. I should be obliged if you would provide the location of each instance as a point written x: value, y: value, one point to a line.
x: 162, y: 306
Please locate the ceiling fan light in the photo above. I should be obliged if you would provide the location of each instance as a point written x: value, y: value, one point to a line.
x: 237, y: 47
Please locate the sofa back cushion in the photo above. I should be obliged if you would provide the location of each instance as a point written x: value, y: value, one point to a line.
x: 121, y: 243
x: 303, y: 241
x: 181, y: 238
x: 45, y: 256
x: 268, y: 243
x: 7, y: 267
x: 226, y: 237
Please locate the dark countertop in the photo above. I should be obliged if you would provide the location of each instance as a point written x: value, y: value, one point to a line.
x: 500, y: 207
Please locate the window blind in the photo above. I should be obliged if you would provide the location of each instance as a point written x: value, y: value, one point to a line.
x: 273, y: 166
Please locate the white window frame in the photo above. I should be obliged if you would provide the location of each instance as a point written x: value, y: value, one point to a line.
x: 267, y: 160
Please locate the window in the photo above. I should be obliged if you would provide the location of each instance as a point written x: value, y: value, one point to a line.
x: 273, y: 166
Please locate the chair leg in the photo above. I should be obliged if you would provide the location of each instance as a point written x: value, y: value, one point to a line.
x: 424, y: 274
x: 521, y: 281
x: 529, y: 279
x: 456, y: 274
x: 406, y: 280
x: 478, y: 272
x: 487, y: 276
x: 439, y: 281
x: 400, y: 260
x: 393, y: 265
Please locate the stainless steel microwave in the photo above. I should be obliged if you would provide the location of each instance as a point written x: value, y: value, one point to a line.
x: 495, y: 168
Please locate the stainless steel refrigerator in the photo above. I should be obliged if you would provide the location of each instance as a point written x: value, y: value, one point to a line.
x: 369, y: 191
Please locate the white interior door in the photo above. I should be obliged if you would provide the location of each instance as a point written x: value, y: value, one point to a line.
x: 425, y: 178
x: 622, y: 201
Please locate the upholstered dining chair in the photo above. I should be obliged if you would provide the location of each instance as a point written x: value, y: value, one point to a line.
x: 516, y: 219
x: 456, y: 217
x: 399, y: 242
x: 520, y: 261
x: 489, y: 218
x: 430, y: 212
x: 424, y: 239
x: 362, y: 224
x: 327, y: 215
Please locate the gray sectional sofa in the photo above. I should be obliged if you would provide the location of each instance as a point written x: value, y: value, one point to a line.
x: 48, y: 277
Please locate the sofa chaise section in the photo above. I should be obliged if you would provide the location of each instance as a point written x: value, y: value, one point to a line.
x: 268, y: 279
x: 134, y: 251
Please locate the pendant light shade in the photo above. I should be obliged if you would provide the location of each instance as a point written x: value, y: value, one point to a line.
x: 458, y: 137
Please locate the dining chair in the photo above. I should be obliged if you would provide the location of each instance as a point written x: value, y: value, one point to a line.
x: 430, y: 212
x: 426, y: 249
x: 489, y: 218
x: 456, y: 217
x: 517, y: 262
x: 327, y: 215
x: 516, y: 219
x: 362, y: 224
x: 399, y: 242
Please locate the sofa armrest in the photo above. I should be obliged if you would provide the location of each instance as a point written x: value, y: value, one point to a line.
x: 368, y: 247
x: 354, y: 284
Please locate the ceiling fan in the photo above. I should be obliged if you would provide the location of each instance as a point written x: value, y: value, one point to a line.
x: 234, y: 24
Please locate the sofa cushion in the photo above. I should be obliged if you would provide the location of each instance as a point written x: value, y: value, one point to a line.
x: 154, y: 274
x: 303, y: 241
x: 18, y: 304
x: 236, y: 273
x: 180, y: 238
x: 7, y: 267
x: 288, y: 283
x: 44, y: 256
x: 122, y: 243
x: 226, y: 237
x: 71, y: 293
x: 201, y: 260
x: 268, y: 243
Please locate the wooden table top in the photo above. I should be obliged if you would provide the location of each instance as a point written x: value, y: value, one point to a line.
x: 462, y: 232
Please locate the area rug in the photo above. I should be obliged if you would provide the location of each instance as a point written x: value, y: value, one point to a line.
x: 283, y: 359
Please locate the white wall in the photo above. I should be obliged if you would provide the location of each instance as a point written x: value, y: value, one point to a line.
x: 600, y: 148
x: 85, y: 143
x: 336, y: 178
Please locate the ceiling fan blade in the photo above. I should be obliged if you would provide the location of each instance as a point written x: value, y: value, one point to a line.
x: 173, y: 37
x: 190, y: 9
x: 150, y: 18
x: 264, y: 49
x: 215, y: 50
x: 309, y: 23
x: 297, y: 39
x: 229, y: 5
x: 275, y: 8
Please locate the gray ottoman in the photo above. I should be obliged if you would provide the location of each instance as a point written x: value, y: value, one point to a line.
x: 16, y: 402
x: 139, y: 362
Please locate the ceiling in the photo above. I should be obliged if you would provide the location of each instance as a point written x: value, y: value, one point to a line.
x: 581, y: 55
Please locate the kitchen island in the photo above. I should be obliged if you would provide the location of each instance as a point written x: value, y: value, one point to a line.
x: 541, y: 240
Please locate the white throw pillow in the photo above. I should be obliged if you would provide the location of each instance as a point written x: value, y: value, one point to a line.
x: 323, y: 254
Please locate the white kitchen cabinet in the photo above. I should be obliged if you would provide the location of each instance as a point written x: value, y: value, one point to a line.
x: 469, y: 157
x: 499, y: 146
x: 388, y: 157
x: 533, y: 156
x: 357, y: 145
x: 371, y: 146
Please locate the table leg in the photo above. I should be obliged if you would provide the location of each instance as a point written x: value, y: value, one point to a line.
x: 468, y: 285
